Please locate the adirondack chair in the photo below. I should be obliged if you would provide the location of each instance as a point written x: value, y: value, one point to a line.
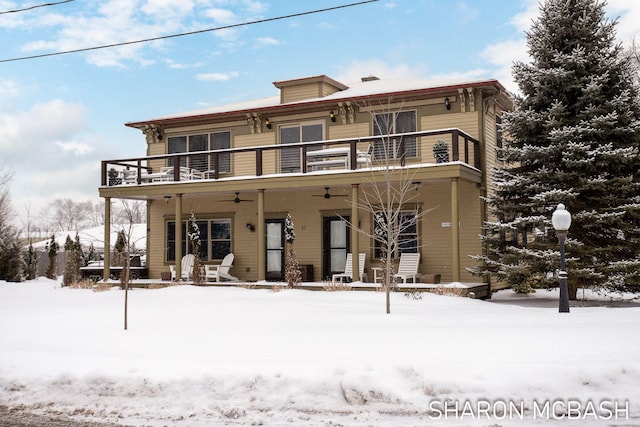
x: 187, y: 268
x: 219, y: 272
x: 348, y: 268
x: 408, y: 267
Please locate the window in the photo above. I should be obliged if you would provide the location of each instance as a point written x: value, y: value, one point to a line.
x: 391, y: 123
x: 202, y: 142
x: 215, y: 238
x: 291, y: 134
x: 404, y: 228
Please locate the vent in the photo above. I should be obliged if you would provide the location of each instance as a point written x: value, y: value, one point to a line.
x: 369, y: 78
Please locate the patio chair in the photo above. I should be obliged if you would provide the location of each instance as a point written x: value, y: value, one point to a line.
x: 408, y: 267
x: 364, y: 157
x: 348, y: 268
x: 187, y: 268
x: 219, y: 272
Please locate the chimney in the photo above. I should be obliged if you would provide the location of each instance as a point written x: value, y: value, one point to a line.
x: 369, y: 78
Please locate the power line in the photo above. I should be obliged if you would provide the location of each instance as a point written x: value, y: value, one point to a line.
x: 260, y: 21
x: 36, y: 6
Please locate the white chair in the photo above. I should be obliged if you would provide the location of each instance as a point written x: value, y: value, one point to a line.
x: 408, y: 267
x: 186, y: 266
x: 348, y: 268
x: 219, y: 272
x: 364, y: 156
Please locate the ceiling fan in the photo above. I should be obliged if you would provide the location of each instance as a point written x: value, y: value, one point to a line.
x: 237, y: 199
x: 326, y: 194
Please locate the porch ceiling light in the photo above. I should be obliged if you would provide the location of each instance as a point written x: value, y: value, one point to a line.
x: 267, y: 123
x: 332, y: 116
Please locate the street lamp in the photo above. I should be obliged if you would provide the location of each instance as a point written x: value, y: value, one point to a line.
x: 561, y: 220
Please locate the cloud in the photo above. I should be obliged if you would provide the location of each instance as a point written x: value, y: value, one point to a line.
x: 51, y: 152
x: 217, y: 77
x: 267, y: 41
x: 221, y: 16
x: 377, y: 67
x: 9, y: 88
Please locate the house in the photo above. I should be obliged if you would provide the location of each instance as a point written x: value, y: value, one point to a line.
x: 313, y: 151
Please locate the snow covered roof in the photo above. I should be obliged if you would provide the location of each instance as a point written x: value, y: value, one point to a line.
x: 358, y: 90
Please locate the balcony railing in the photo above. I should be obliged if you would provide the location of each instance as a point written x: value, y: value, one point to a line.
x: 303, y: 157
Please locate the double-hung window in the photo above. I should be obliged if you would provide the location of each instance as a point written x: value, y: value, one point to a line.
x: 394, y: 123
x: 215, y: 239
x: 196, y: 147
x: 402, y: 237
x: 291, y: 134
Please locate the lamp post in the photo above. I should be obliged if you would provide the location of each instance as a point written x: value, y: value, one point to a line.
x: 561, y: 220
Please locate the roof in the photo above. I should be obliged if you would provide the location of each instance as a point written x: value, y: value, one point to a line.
x: 356, y: 91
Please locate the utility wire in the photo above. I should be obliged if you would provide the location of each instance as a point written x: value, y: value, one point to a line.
x: 36, y: 6
x: 260, y: 21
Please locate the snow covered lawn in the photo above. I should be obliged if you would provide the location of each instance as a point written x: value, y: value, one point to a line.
x: 231, y: 356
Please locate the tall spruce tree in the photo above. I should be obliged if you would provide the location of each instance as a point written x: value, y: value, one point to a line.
x: 573, y: 138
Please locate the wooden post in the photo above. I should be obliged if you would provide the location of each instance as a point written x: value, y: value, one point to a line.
x: 455, y: 230
x: 178, y: 234
x: 106, y: 268
x: 355, y: 243
x: 260, y: 227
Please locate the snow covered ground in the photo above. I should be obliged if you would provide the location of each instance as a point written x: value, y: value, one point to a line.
x: 231, y: 356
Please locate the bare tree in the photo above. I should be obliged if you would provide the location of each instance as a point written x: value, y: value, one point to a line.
x: 130, y: 212
x: 389, y: 193
x: 66, y: 214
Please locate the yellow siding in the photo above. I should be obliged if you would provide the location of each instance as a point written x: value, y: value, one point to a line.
x: 245, y: 163
x: 467, y: 122
x: 300, y: 92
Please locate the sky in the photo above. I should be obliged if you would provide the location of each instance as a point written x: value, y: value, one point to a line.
x: 61, y: 115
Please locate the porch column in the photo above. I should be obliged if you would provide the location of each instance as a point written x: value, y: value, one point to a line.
x: 355, y: 241
x: 262, y: 256
x: 455, y: 230
x: 106, y: 268
x: 178, y: 233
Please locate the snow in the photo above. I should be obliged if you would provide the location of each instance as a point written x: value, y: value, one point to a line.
x: 203, y: 356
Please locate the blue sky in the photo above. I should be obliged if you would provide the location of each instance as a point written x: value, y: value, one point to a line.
x: 61, y: 115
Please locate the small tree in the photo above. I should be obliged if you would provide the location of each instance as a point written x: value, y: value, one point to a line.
x: 292, y: 274
x: 31, y: 263
x: 11, y: 265
x: 52, y: 252
x: 389, y: 194
x: 73, y: 252
x: 193, y: 233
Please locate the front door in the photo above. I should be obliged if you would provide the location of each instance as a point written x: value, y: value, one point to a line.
x: 335, y: 245
x: 275, y: 249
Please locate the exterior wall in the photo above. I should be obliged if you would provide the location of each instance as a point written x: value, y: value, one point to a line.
x: 307, y: 212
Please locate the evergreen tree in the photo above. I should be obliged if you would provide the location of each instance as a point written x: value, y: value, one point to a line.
x: 11, y: 264
x: 31, y: 263
x: 52, y: 252
x: 573, y: 138
x: 73, y: 252
x: 292, y: 272
x: 193, y: 233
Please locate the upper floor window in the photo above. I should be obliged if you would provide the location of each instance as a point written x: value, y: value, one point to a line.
x: 201, y: 142
x: 291, y: 134
x: 392, y: 123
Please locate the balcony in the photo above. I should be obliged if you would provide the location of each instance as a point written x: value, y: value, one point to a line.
x: 306, y: 157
